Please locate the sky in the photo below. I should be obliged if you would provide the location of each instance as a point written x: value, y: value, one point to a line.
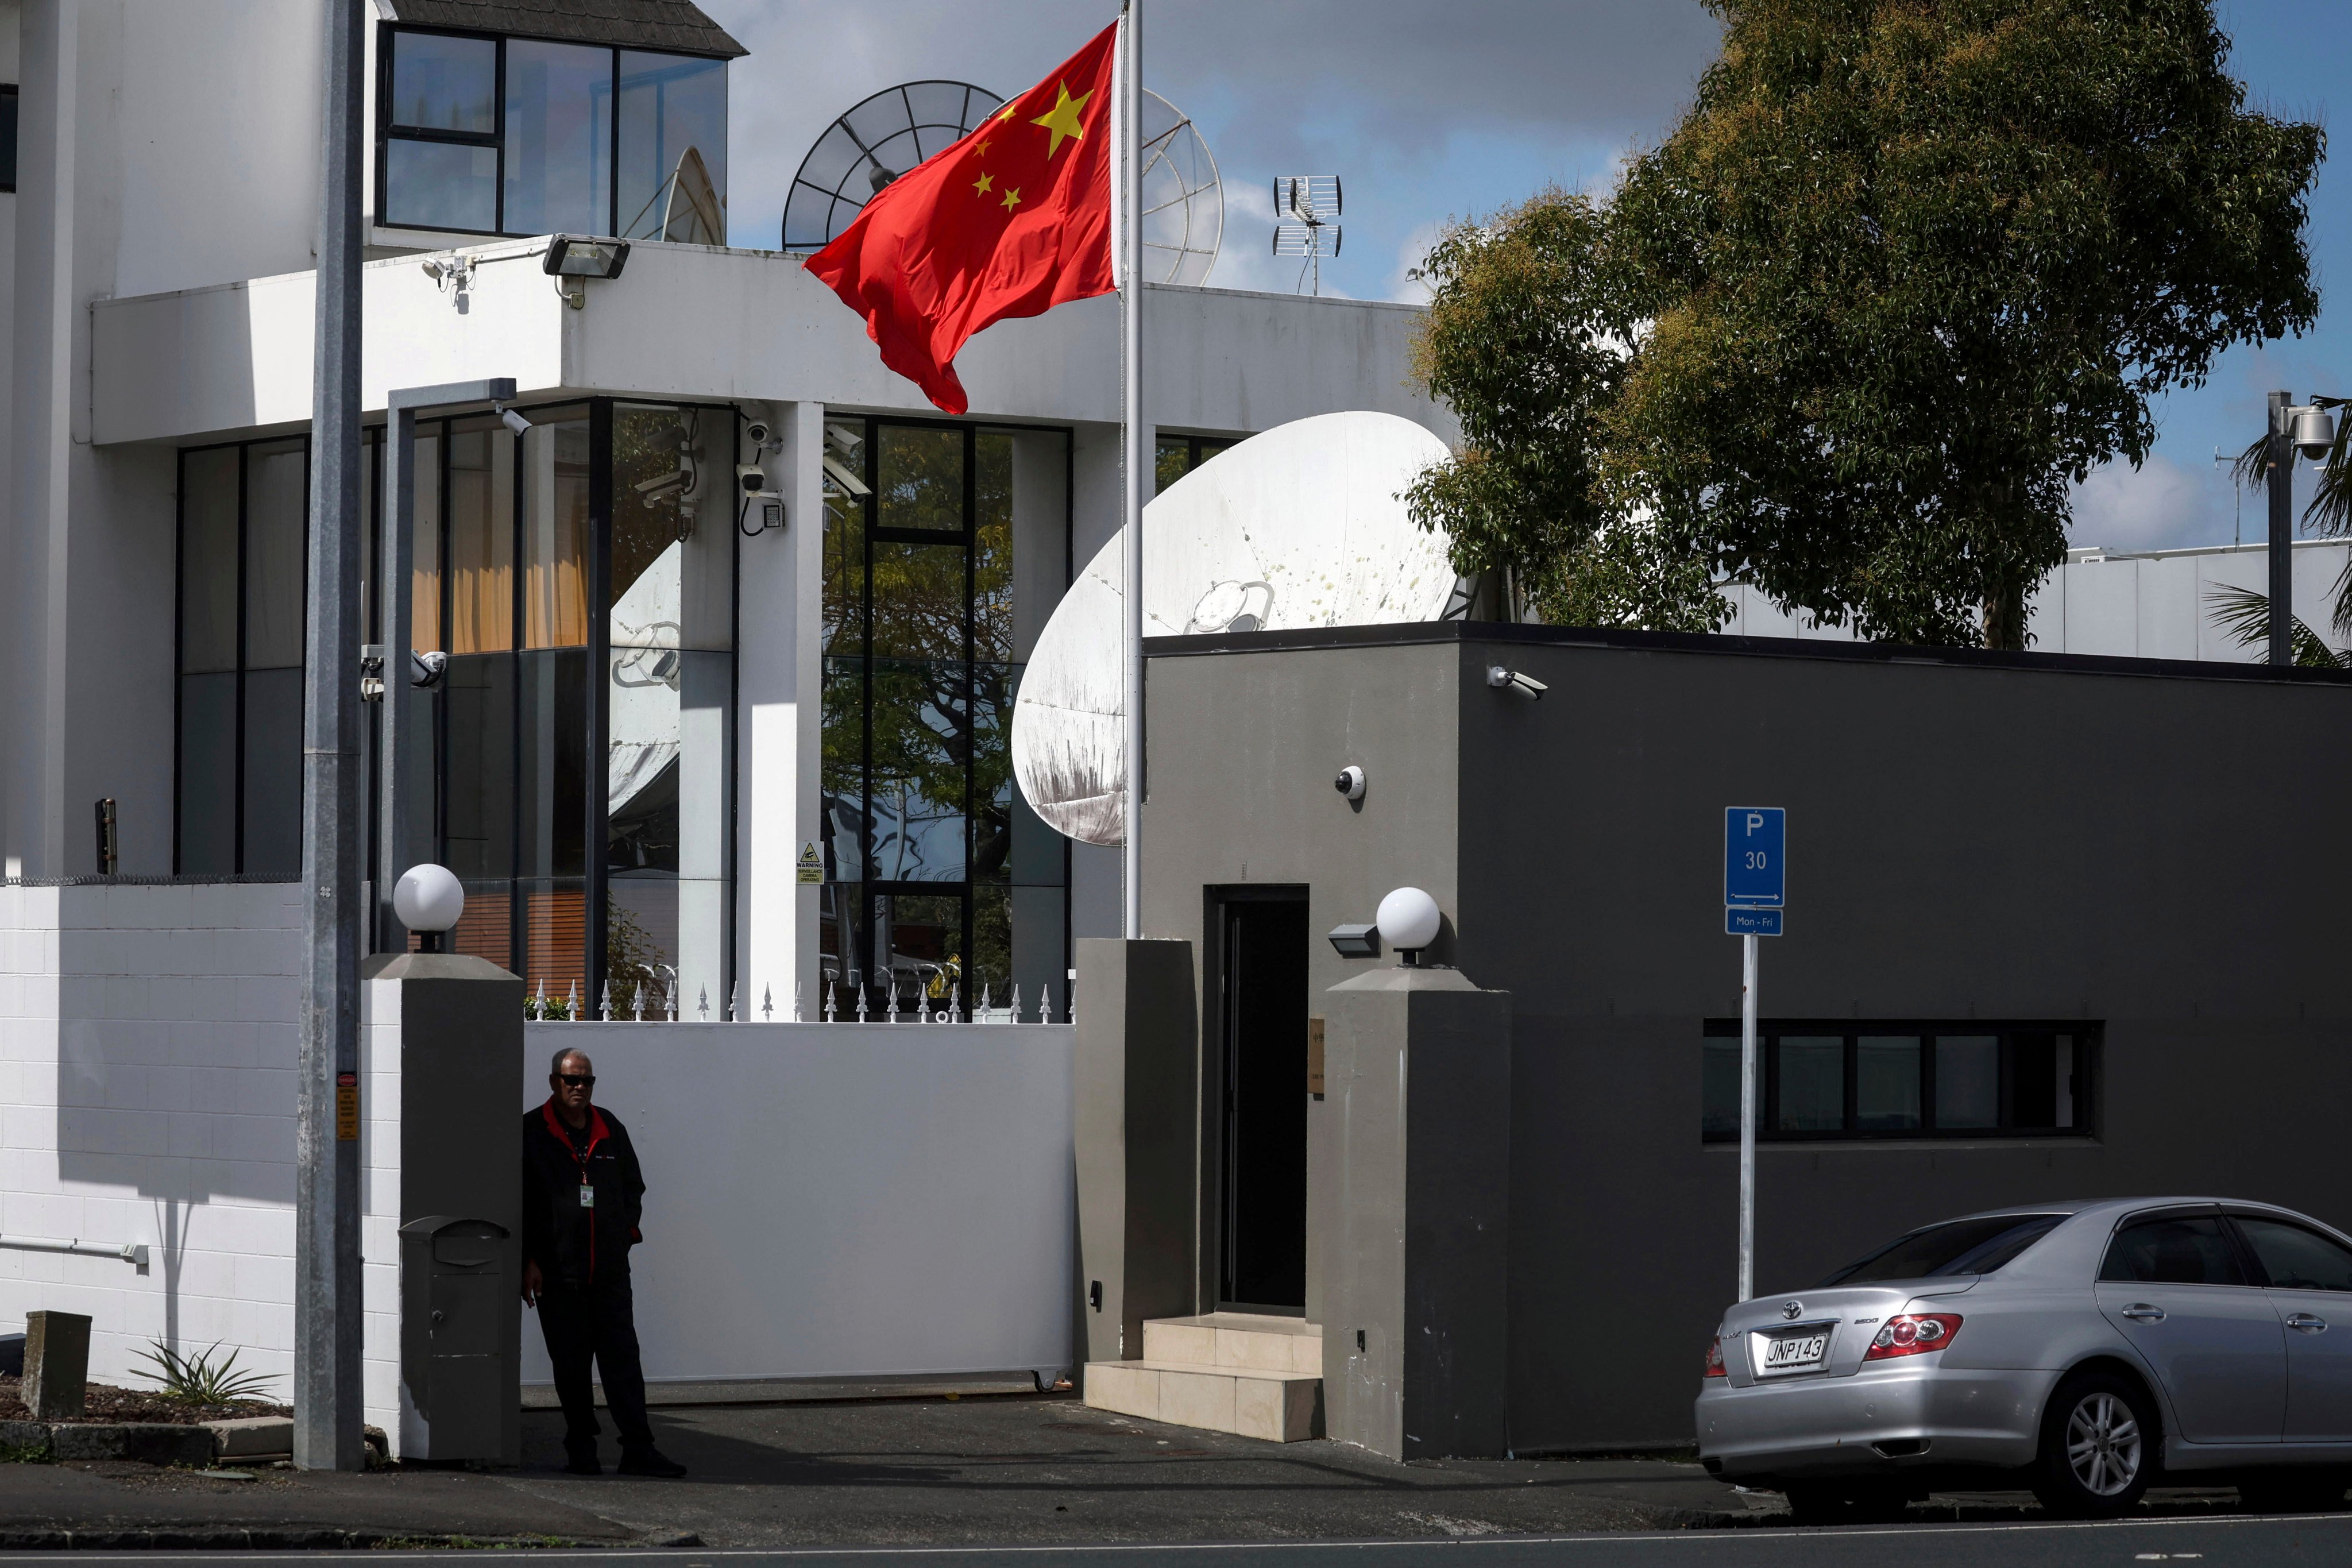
x: 1433, y: 112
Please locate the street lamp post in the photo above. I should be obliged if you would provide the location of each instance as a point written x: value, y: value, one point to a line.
x: 2310, y: 430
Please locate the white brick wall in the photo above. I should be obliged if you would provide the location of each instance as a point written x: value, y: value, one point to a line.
x: 147, y: 1088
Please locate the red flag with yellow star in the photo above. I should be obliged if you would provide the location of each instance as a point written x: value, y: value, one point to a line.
x: 1012, y: 220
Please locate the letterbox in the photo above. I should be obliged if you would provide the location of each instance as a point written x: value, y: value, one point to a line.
x: 456, y: 1281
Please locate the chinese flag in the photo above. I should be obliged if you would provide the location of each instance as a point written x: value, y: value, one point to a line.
x: 1012, y: 220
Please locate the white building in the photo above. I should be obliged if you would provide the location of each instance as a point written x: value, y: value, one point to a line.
x: 649, y: 716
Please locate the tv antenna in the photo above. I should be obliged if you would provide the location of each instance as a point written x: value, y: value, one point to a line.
x: 1183, y: 200
x: 1307, y: 221
x: 879, y: 139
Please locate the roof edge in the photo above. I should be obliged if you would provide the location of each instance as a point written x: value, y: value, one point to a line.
x: 1423, y: 633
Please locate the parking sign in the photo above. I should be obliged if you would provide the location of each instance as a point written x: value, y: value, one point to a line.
x: 1754, y: 863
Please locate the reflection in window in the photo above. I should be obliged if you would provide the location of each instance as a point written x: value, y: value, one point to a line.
x: 529, y: 136
x: 1811, y: 1083
x: 1967, y: 1080
x: 1176, y: 456
x: 921, y: 632
x: 559, y: 137
x: 670, y: 104
x: 1886, y: 1083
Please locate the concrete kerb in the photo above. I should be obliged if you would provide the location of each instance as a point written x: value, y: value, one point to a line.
x: 200, y: 1445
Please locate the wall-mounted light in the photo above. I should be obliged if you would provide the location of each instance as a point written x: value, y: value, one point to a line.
x: 1409, y: 918
x: 1356, y: 942
x: 578, y: 256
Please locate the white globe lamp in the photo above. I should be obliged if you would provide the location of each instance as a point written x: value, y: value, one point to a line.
x: 428, y: 900
x: 1408, y: 921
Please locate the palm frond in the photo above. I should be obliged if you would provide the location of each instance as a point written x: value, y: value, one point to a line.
x: 2245, y: 614
x: 197, y: 1378
x: 2252, y: 465
x: 2330, y: 511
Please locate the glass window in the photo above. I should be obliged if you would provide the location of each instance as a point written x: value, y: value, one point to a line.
x: 1886, y: 1083
x: 481, y: 537
x: 932, y: 584
x: 529, y: 136
x: 2295, y: 1258
x: 1811, y: 1071
x: 1719, y: 1089
x: 276, y: 503
x: 1911, y: 1079
x: 208, y: 560
x: 441, y: 185
x: 559, y: 138
x: 2173, y: 1249
x: 243, y: 539
x: 670, y: 104
x: 920, y: 479
x: 1978, y: 1245
x: 1967, y: 1080
x: 443, y: 83
x: 7, y: 138
x: 555, y: 535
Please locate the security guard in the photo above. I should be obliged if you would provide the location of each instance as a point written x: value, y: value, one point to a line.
x: 582, y: 1196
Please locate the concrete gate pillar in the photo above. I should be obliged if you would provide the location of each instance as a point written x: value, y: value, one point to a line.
x: 451, y: 1026
x: 1407, y: 1199
x: 1137, y: 1076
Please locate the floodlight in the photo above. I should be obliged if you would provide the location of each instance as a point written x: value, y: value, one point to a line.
x: 1356, y: 941
x: 578, y: 256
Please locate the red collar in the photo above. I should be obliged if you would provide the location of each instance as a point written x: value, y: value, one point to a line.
x: 597, y: 1132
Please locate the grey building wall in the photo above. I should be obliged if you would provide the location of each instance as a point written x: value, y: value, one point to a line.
x: 1971, y: 836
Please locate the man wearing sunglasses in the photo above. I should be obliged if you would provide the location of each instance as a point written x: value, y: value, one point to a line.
x: 582, y: 1196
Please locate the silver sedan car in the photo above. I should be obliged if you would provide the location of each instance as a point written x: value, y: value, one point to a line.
x: 2082, y: 1347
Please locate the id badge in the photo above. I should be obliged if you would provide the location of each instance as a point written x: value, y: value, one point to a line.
x: 587, y: 1196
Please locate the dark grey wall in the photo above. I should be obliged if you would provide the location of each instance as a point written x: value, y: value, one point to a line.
x: 1243, y: 753
x: 1969, y: 836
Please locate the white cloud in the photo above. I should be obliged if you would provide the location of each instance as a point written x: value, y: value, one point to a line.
x: 2160, y: 505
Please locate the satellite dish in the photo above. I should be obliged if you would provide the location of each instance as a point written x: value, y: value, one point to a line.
x: 1299, y: 526
x: 693, y: 217
x: 873, y: 144
x: 1183, y: 201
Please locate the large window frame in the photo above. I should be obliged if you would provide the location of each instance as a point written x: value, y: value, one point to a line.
x: 2014, y: 1039
x: 387, y: 133
x: 242, y: 668
x: 842, y: 973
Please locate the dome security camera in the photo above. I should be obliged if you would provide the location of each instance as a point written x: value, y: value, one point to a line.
x: 757, y: 432
x: 1350, y: 782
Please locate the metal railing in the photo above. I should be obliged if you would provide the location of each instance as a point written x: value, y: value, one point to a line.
x: 654, y: 1000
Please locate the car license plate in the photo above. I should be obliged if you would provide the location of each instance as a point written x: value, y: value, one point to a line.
x: 1794, y: 1349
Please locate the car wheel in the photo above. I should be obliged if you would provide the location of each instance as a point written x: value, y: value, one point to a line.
x: 2098, y: 1447
x: 2310, y: 1489
x: 1827, y: 1502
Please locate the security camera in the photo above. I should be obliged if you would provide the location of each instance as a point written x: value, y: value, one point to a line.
x: 757, y: 431
x: 1513, y: 681
x: 1350, y: 782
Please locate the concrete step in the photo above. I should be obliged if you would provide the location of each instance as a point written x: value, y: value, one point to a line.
x: 1238, y: 1341
x: 1280, y: 1408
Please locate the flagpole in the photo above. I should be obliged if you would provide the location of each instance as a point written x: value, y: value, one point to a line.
x: 1130, y: 414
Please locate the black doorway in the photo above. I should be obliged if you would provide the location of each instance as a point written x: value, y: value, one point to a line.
x: 1262, y: 1011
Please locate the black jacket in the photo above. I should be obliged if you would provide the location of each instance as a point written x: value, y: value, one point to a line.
x: 569, y: 1242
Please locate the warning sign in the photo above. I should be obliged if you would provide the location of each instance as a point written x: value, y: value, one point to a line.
x: 812, y: 865
x: 346, y: 1108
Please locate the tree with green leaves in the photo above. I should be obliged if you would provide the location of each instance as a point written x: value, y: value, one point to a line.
x: 1904, y: 273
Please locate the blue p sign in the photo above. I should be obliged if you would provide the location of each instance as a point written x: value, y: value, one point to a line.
x: 1754, y: 866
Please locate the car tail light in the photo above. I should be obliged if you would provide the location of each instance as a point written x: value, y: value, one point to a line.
x: 1912, y: 1333
x: 1715, y: 1357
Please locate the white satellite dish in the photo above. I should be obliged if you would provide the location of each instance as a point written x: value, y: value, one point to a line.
x: 1183, y: 200
x: 879, y: 139
x: 1297, y: 527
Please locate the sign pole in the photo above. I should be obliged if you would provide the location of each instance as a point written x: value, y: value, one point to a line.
x: 1747, y: 1117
